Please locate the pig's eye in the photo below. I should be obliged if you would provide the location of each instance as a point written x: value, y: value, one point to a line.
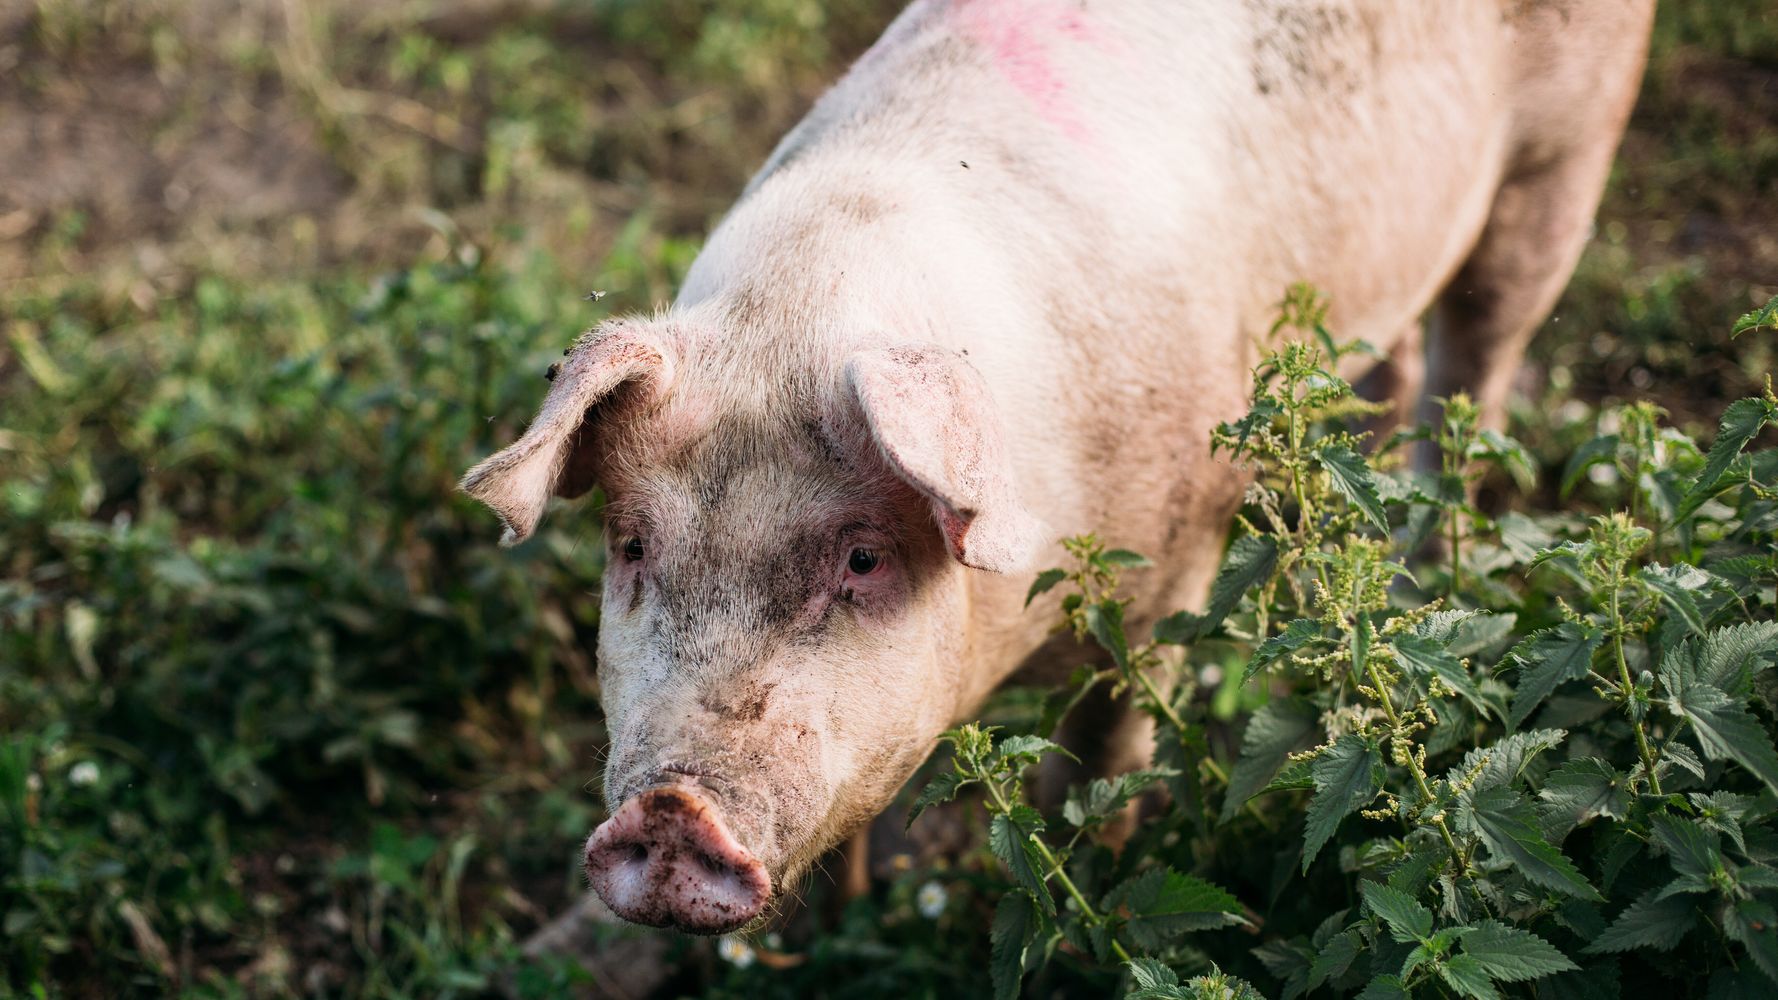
x: 633, y: 549
x: 863, y: 561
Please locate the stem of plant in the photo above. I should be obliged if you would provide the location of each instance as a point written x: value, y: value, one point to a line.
x: 1629, y: 689
x: 1453, y: 461
x: 1054, y: 867
x: 1398, y: 732
x: 1456, y: 553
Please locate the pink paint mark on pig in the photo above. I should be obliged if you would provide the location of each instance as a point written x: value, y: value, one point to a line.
x: 1021, y: 37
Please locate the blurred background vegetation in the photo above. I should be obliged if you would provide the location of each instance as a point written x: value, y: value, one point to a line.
x: 276, y: 716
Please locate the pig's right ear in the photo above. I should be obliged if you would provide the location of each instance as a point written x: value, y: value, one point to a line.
x: 935, y: 424
x: 552, y: 457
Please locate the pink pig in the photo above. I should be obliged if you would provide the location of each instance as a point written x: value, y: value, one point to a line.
x: 995, y: 289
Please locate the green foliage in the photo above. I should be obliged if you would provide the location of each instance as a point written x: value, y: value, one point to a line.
x: 1148, y: 910
x: 240, y: 594
x: 1763, y: 318
x: 1487, y: 855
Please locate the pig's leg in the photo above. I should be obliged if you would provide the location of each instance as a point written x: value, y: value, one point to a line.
x: 1569, y: 110
x: 853, y: 877
x: 1572, y: 77
x: 1500, y: 295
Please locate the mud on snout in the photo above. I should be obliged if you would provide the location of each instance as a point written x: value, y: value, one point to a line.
x: 676, y: 853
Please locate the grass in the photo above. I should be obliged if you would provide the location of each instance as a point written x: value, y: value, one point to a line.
x: 278, y: 717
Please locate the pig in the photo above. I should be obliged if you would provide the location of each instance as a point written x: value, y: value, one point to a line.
x: 997, y: 288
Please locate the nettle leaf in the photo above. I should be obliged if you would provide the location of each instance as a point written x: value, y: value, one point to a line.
x: 1152, y: 979
x: 1015, y: 924
x: 1288, y: 962
x: 1740, y: 422
x: 1466, y: 975
x: 1408, y: 920
x: 1352, y: 479
x: 942, y: 788
x: 1413, y: 873
x: 1163, y: 904
x: 1754, y: 923
x: 1566, y: 558
x: 1105, y: 622
x: 1547, y: 659
x: 1694, y: 851
x: 1510, y: 955
x: 1480, y: 631
x: 1765, y: 317
x: 1124, y: 559
x: 1177, y: 629
x: 1678, y: 755
x: 1599, y: 449
x: 1430, y: 950
x: 1722, y: 812
x: 1522, y: 537
x: 1264, y: 409
x: 1503, y: 762
x: 1513, y: 456
x: 1045, y: 582
x: 1724, y: 727
x: 1295, y: 777
x: 1347, y: 776
x: 1653, y: 921
x: 1027, y: 749
x: 1676, y: 586
x: 1385, y: 987
x: 1249, y: 563
x: 1441, y: 626
x: 1296, y: 635
x: 1010, y: 840
x: 1584, y: 789
x: 1102, y: 799
x: 1621, y: 849
x: 1732, y: 655
x: 1280, y: 727
x: 1334, y: 958
x: 1504, y: 821
x: 1421, y: 658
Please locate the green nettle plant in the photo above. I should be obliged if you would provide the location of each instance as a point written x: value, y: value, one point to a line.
x: 1495, y: 756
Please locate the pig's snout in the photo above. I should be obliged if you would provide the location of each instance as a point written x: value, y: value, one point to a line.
x: 667, y: 860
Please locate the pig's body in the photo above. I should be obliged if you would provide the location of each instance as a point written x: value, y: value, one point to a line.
x: 1096, y: 207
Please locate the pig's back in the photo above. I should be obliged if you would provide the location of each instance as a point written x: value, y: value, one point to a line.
x: 1249, y: 144
x: 1103, y: 202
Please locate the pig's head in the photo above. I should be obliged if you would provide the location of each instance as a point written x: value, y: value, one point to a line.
x: 782, y: 628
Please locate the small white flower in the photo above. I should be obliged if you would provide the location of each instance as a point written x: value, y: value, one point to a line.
x: 930, y: 900
x: 735, y: 951
x: 83, y: 774
x: 33, y: 783
x: 1210, y: 676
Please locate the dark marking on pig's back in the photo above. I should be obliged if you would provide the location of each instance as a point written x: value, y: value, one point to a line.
x: 1305, y: 47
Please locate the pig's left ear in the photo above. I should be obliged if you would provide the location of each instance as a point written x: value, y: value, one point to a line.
x: 551, y: 458
x: 932, y: 418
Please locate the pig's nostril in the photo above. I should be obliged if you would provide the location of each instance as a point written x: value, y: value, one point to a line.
x: 666, y: 859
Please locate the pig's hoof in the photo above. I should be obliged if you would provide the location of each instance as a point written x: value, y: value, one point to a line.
x: 667, y: 860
